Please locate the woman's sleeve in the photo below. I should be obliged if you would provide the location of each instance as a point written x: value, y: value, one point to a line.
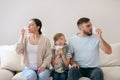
x: 20, y: 47
x: 48, y: 55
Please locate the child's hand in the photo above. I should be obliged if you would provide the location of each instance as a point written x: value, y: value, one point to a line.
x: 60, y: 51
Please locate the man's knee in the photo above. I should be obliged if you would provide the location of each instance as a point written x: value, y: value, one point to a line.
x: 73, y: 74
x: 73, y: 71
x: 44, y: 75
x: 97, y: 74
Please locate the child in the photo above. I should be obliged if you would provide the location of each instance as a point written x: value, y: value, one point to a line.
x: 59, y: 61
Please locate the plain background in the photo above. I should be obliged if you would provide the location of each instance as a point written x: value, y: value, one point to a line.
x: 59, y: 16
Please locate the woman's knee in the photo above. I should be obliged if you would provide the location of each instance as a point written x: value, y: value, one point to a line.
x: 29, y: 75
x: 44, y: 75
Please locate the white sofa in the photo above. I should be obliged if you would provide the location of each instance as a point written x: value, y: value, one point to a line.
x: 10, y: 68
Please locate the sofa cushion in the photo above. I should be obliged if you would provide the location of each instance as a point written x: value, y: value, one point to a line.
x: 0, y: 61
x: 113, y: 59
x: 10, y: 59
x: 18, y: 76
x: 111, y: 73
x: 1, y: 51
x: 5, y: 74
x: 84, y: 78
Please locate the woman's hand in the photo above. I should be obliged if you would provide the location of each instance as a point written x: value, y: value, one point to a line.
x: 41, y: 69
x: 22, y: 32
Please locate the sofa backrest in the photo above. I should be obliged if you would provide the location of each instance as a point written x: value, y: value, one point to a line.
x: 0, y: 60
x: 105, y: 60
x: 113, y: 59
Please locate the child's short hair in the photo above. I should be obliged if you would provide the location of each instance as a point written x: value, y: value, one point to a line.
x: 57, y: 36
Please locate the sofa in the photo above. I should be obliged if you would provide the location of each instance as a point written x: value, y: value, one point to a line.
x: 10, y: 63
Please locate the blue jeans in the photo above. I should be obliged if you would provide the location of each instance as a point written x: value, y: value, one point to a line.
x: 30, y: 74
x: 59, y: 76
x: 92, y: 73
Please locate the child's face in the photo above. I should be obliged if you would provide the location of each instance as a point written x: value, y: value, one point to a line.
x: 61, y: 41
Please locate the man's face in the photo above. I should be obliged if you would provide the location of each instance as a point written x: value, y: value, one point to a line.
x: 86, y: 28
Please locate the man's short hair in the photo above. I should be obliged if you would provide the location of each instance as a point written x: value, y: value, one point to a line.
x: 82, y: 20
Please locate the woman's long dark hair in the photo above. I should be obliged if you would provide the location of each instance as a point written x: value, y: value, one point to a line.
x: 38, y: 23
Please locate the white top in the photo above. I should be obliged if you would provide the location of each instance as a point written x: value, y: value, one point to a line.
x: 32, y: 56
x: 85, y: 50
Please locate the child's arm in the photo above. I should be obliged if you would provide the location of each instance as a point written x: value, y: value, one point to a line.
x: 56, y: 58
x: 65, y: 60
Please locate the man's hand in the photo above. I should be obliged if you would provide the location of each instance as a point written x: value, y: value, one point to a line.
x: 41, y: 69
x: 104, y: 45
x: 99, y: 33
x: 75, y: 66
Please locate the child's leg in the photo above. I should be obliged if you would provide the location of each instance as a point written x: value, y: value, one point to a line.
x: 63, y: 76
x: 55, y: 75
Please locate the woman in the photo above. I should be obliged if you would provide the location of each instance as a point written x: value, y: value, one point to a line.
x: 36, y: 51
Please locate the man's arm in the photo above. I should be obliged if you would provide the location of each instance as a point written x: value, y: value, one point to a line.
x: 73, y: 63
x: 104, y: 45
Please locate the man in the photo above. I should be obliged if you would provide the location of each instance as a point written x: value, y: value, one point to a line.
x: 84, y: 51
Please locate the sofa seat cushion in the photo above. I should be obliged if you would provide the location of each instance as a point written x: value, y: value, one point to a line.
x: 18, y: 76
x: 5, y: 74
x: 111, y: 73
x: 84, y: 78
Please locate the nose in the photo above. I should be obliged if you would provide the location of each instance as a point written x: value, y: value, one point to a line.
x: 28, y: 27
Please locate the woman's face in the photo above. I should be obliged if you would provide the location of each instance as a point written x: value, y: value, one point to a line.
x: 32, y: 27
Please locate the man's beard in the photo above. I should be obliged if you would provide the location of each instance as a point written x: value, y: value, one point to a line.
x: 87, y: 33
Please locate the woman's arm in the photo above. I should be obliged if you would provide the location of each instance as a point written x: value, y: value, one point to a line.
x: 48, y: 55
x: 21, y: 44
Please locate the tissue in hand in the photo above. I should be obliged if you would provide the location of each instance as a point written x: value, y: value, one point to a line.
x: 58, y: 47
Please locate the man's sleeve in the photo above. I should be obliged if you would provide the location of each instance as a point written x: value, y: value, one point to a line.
x: 70, y: 51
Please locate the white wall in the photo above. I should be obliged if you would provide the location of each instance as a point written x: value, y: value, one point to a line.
x: 59, y: 16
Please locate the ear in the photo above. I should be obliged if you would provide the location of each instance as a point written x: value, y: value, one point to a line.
x: 38, y: 27
x: 80, y: 26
